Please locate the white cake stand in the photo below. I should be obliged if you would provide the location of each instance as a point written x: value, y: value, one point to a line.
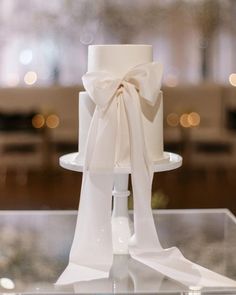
x: 121, y: 225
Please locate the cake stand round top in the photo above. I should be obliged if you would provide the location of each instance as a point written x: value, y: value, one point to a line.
x: 170, y: 161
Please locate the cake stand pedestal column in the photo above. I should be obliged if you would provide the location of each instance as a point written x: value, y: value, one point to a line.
x: 121, y: 225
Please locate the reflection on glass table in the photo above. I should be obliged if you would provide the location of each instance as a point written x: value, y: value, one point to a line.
x: 35, y: 248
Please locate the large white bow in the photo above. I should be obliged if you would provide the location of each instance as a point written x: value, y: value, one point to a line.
x: 118, y: 99
x: 91, y: 253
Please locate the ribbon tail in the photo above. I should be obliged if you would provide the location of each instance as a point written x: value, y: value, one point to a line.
x: 145, y: 237
x: 91, y: 253
x: 76, y: 273
x: 171, y: 263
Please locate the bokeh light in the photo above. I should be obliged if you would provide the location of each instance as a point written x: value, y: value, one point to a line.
x: 232, y: 79
x: 30, y: 78
x: 194, y: 119
x: 86, y: 38
x: 172, y: 120
x: 52, y: 121
x: 190, y: 119
x: 7, y: 283
x: 38, y: 121
x: 184, y: 121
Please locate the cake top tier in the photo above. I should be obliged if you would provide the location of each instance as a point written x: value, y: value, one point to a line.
x: 117, y: 59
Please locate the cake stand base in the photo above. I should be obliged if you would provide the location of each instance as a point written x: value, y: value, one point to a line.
x: 121, y: 224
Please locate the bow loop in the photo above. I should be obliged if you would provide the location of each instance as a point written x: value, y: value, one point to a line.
x: 147, y: 80
x: 101, y: 87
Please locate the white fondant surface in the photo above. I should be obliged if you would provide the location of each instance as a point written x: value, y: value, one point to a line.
x: 117, y: 59
x: 86, y: 110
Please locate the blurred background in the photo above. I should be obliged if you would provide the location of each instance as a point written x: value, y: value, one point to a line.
x: 43, y: 54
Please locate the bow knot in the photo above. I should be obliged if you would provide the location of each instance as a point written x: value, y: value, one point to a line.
x: 145, y: 78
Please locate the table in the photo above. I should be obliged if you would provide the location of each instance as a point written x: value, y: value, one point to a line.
x: 34, y: 247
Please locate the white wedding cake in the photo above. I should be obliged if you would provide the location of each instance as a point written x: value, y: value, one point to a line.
x: 118, y: 60
x: 124, y: 129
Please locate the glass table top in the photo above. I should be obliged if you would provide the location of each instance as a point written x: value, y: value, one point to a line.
x: 34, y: 247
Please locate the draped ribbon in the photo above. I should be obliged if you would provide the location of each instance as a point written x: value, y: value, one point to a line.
x: 91, y: 254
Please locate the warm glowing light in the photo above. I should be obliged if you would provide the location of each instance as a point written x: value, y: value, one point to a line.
x: 232, y: 79
x: 30, y: 78
x: 26, y: 56
x: 194, y: 119
x: 38, y: 121
x: 172, y: 120
x: 184, y: 121
x: 190, y: 120
x: 171, y: 80
x: 52, y: 121
x: 7, y: 283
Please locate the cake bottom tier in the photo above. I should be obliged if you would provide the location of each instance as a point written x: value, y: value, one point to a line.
x: 152, y: 117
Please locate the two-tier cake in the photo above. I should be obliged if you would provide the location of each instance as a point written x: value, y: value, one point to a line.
x: 118, y: 60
